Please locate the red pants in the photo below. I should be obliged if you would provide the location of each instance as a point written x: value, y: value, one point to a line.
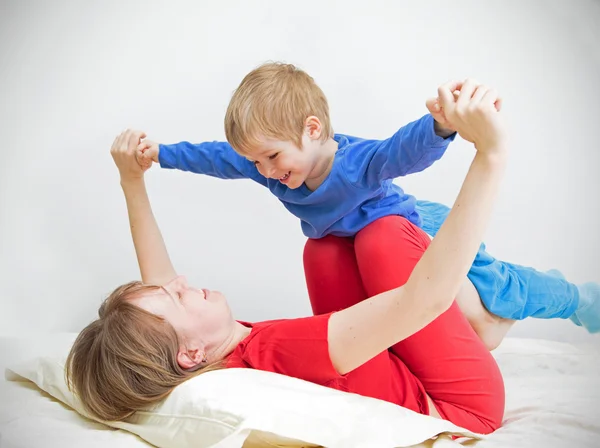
x: 448, y: 358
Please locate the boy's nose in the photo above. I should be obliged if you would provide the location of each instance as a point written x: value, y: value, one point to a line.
x: 270, y: 171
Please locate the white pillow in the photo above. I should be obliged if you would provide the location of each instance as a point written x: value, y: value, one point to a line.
x: 225, y: 408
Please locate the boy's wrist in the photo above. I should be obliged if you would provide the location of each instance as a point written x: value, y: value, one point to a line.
x: 442, y: 131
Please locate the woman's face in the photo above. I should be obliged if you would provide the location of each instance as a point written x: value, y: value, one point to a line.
x: 201, y: 318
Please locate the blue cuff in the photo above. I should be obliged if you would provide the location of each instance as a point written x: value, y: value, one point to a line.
x: 432, y: 139
x: 167, y: 156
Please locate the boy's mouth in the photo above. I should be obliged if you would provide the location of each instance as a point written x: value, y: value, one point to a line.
x: 285, y: 178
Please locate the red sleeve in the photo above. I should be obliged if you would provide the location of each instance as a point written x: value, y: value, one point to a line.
x: 293, y: 347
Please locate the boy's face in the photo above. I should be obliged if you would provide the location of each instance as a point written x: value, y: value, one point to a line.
x: 286, y: 162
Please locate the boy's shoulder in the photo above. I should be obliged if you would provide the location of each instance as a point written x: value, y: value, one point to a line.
x: 351, y: 145
x: 346, y: 139
x: 353, y: 152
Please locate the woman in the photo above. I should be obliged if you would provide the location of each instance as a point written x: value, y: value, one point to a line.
x: 409, y: 345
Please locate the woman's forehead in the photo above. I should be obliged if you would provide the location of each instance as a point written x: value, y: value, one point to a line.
x: 154, y: 300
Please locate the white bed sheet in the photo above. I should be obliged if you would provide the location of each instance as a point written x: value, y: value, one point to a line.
x: 553, y: 392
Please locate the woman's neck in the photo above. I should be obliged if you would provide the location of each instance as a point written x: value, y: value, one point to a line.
x: 238, y: 333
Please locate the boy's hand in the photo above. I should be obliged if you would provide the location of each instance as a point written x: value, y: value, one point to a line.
x: 123, y: 153
x: 473, y: 112
x: 442, y: 126
x: 146, y: 153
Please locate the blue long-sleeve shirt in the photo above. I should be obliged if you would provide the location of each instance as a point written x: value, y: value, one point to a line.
x: 358, y: 190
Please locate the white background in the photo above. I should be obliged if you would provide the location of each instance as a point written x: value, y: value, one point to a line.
x: 74, y: 74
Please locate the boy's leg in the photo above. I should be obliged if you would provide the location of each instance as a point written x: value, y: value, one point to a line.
x: 456, y: 369
x: 516, y: 292
x: 588, y: 310
x: 332, y: 276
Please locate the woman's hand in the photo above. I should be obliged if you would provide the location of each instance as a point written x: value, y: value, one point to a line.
x: 123, y: 152
x: 443, y: 127
x: 474, y: 113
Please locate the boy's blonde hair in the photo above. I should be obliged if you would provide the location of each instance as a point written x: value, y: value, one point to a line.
x: 126, y: 360
x: 274, y: 101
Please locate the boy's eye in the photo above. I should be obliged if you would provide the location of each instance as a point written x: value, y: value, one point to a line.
x: 273, y: 156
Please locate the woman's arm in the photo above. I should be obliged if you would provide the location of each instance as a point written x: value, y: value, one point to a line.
x: 153, y: 259
x: 362, y: 331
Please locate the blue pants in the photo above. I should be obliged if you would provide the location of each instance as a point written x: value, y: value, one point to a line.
x: 509, y: 290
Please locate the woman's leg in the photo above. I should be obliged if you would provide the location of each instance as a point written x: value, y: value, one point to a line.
x: 332, y: 276
x: 456, y: 369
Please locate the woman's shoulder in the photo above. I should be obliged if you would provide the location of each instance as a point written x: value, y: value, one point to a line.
x: 294, y: 347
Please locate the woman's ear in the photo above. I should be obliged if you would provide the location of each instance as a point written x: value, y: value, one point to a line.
x: 188, y: 359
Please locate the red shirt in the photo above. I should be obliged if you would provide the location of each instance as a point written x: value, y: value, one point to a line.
x: 299, y: 348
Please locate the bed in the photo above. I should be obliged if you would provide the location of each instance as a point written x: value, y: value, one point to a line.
x: 553, y: 391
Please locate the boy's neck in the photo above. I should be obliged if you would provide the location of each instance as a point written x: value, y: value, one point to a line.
x: 323, y: 166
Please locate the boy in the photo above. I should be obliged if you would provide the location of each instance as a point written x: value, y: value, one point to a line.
x: 279, y: 133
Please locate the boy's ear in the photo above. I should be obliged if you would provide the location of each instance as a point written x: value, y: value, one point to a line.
x: 312, y: 127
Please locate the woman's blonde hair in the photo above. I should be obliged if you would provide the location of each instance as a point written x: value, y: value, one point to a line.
x: 274, y: 101
x: 126, y: 360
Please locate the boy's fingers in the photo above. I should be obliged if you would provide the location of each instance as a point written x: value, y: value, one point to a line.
x: 432, y: 105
